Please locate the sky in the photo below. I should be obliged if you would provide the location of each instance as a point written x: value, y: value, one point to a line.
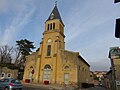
x: 89, y: 26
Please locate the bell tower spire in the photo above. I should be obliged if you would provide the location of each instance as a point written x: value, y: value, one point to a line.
x: 55, y: 3
x: 54, y: 29
x: 54, y: 22
x: 55, y: 14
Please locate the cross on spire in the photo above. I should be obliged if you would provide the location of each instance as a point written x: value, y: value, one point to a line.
x: 55, y: 13
x: 55, y: 3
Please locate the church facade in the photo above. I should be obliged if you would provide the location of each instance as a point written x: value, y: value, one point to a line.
x: 51, y: 62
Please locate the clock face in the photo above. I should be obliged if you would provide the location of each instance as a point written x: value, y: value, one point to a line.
x: 52, y: 16
x: 49, y: 40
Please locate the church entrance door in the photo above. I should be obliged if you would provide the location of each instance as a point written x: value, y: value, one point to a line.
x: 47, y: 70
x: 66, y: 78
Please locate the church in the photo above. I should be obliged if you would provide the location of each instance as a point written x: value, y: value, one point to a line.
x: 53, y: 64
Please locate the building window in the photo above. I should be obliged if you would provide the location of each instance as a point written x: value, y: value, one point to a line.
x: 66, y: 67
x: 48, y: 27
x: 83, y: 69
x: 90, y: 75
x: 47, y: 67
x: 53, y: 25
x: 79, y: 67
x: 8, y: 75
x: 48, y: 50
x: 3, y: 75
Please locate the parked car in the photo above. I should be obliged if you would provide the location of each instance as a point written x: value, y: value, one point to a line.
x: 10, y: 84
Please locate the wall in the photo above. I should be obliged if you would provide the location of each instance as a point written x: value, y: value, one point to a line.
x: 6, y: 71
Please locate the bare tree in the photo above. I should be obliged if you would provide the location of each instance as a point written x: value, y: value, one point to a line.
x: 10, y: 55
x: 5, y: 54
x: 17, y: 56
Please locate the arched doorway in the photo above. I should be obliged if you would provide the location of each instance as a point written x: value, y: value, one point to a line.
x: 66, y: 69
x: 47, y: 70
x: 31, y: 72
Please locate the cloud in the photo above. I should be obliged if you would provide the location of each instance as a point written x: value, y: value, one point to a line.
x: 4, y: 5
x: 91, y: 15
x: 14, y: 5
x: 101, y: 64
x: 17, y: 23
x: 83, y: 20
x: 90, y: 31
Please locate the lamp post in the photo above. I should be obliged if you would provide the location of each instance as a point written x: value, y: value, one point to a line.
x: 117, y: 28
x: 116, y: 1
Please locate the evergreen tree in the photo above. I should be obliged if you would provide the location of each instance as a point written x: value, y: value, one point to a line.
x: 25, y: 48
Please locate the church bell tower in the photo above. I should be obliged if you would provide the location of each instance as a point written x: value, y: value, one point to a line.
x: 53, y: 33
x: 52, y: 42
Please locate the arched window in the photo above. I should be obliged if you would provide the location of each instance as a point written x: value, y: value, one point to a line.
x: 53, y: 25
x: 3, y: 75
x: 9, y: 75
x: 66, y: 67
x: 48, y: 50
x: 31, y: 66
x: 47, y: 66
x: 48, y: 27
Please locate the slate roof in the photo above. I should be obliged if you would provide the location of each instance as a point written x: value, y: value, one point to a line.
x: 83, y: 60
x: 56, y: 14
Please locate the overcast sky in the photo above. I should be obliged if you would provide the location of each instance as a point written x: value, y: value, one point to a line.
x: 89, y: 25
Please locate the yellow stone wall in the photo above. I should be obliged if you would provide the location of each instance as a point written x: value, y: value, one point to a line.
x: 67, y: 58
x: 7, y: 71
x: 61, y: 61
x: 91, y: 77
x: 84, y: 72
x: 78, y: 72
x: 31, y: 62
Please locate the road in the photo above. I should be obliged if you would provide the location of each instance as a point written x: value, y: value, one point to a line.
x: 28, y: 87
x: 96, y: 88
x: 31, y: 87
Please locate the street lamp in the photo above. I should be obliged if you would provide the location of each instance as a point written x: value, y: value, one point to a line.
x: 116, y: 1
x: 117, y: 28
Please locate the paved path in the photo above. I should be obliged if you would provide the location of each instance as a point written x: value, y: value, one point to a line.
x: 96, y: 88
x: 36, y: 87
x: 50, y: 86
